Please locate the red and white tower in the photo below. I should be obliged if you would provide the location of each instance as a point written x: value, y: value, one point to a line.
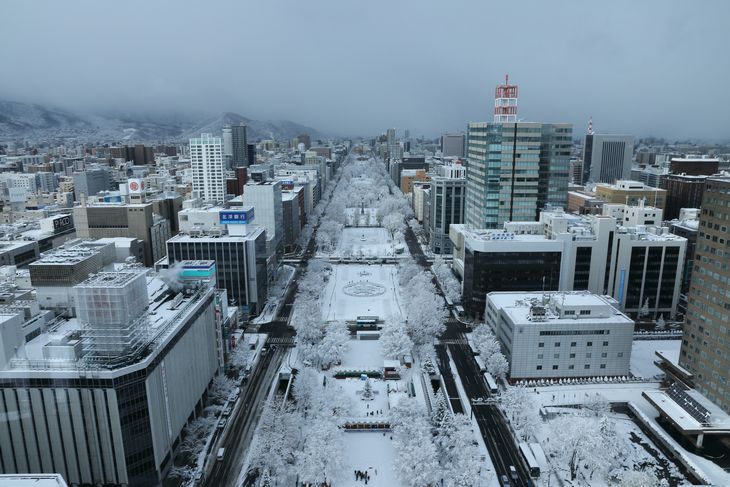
x: 505, y: 102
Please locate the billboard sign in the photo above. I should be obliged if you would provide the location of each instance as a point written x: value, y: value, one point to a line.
x: 136, y: 186
x: 236, y: 217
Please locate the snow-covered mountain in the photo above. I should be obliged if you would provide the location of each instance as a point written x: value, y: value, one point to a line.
x: 42, y: 123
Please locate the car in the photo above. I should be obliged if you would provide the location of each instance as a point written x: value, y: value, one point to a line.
x: 222, y: 423
x: 198, y: 477
x: 513, y: 472
x: 227, y: 411
x: 504, y: 481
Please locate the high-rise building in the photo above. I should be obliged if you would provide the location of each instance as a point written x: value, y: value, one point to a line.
x: 240, y: 262
x: 265, y: 197
x: 452, y: 145
x: 705, y: 347
x: 304, y: 139
x: 607, y: 158
x: 514, y: 170
x: 227, y: 145
x: 91, y: 181
x: 446, y: 207
x: 239, y: 145
x: 206, y: 157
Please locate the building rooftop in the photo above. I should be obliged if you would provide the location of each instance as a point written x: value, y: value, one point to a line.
x: 32, y: 480
x: 558, y: 307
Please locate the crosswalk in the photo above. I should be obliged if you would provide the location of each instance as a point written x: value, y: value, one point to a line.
x: 454, y: 341
x: 285, y: 341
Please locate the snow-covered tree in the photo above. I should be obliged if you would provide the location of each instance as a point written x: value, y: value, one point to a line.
x: 220, y: 388
x: 416, y: 462
x: 641, y: 478
x: 328, y: 235
x: 426, y: 316
x: 521, y: 410
x: 485, y: 344
x: 185, y: 473
x: 407, y: 270
x: 449, y: 283
x: 395, y: 340
x: 367, y: 390
x: 461, y: 464
x: 194, y: 435
x: 660, y: 323
x: 276, y: 439
x: 334, y: 344
x: 497, y: 365
x: 416, y: 227
x: 320, y: 460
x: 644, y: 310
x: 393, y: 223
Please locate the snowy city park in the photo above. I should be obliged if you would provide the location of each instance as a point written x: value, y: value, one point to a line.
x: 366, y: 242
x: 362, y: 290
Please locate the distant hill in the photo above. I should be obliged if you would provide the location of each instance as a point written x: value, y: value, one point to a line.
x: 42, y: 123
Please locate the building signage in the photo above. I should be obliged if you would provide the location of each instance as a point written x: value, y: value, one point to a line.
x: 236, y: 217
x: 62, y: 223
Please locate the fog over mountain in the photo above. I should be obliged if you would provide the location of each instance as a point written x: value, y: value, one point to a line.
x: 655, y: 67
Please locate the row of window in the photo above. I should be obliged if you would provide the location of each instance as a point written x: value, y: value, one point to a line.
x: 571, y: 367
x: 572, y: 344
x: 572, y: 355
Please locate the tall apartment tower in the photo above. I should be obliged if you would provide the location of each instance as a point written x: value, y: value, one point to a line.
x: 529, y: 171
x: 227, y: 142
x: 206, y: 157
x: 505, y: 102
x: 239, y: 145
x: 607, y: 158
x: 705, y: 347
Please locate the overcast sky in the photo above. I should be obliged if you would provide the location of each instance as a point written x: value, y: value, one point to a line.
x: 357, y: 67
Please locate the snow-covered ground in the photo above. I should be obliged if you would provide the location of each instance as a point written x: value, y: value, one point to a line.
x: 361, y: 290
x: 365, y: 242
x: 363, y: 355
x: 643, y: 357
x: 371, y: 452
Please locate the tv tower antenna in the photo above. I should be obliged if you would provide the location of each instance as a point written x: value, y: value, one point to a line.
x: 590, y: 126
x: 505, y: 102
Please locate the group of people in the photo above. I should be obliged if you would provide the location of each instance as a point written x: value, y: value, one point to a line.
x: 373, y: 413
x: 360, y: 475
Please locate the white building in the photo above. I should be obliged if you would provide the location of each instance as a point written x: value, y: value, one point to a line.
x: 265, y: 197
x: 560, y: 334
x: 640, y: 265
x: 109, y: 420
x: 206, y: 157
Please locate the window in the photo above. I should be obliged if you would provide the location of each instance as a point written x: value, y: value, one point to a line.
x: 569, y: 312
x: 589, y: 344
x: 620, y: 354
x: 541, y: 344
x: 539, y: 367
x: 555, y: 367
x: 573, y: 344
x: 571, y: 367
x: 604, y: 355
x: 572, y: 355
x: 557, y: 344
x: 584, y: 312
x: 603, y: 366
x: 587, y: 366
x: 539, y: 356
x: 605, y: 344
x: 556, y: 355
x: 588, y: 355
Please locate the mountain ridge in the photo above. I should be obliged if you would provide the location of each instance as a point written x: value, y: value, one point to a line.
x: 39, y: 122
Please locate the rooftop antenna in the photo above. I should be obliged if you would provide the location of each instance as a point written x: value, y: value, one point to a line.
x: 590, y: 126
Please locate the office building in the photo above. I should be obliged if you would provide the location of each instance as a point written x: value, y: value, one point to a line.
x: 561, y: 334
x: 103, y: 399
x: 514, y: 170
x: 239, y: 145
x: 409, y: 176
x: 452, y: 145
x: 240, y: 259
x: 91, y: 181
x: 251, y: 154
x: 292, y: 204
x: 631, y: 193
x: 694, y: 166
x: 623, y: 253
x: 206, y: 159
x: 136, y: 220
x: 607, y: 158
x: 228, y: 144
x: 705, y: 347
x: 687, y: 226
x: 683, y: 191
x: 265, y: 197
x: 446, y: 207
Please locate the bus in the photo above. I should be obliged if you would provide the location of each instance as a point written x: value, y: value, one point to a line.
x: 480, y: 363
x: 532, y: 466
x: 491, y: 383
